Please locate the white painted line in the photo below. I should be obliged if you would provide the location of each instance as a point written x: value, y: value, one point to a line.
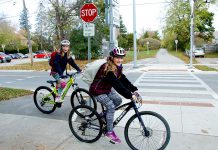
x: 167, y: 77
x: 29, y: 77
x: 19, y: 79
x: 169, y: 85
x: 9, y: 82
x: 176, y: 99
x: 138, y: 80
x: 165, y: 80
x: 206, y: 86
x: 175, y: 91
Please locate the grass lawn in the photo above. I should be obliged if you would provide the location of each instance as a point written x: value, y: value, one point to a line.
x: 185, y: 58
x: 141, y: 55
x: 8, y: 93
x: 211, y: 55
x: 39, y: 66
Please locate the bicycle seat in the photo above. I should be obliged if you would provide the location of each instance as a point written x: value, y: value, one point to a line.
x: 51, y: 81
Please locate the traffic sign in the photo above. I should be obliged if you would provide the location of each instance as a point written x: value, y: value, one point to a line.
x: 176, y: 41
x: 88, y: 12
x: 88, y: 29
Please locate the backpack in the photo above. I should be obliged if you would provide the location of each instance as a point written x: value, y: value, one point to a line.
x: 51, y: 61
x: 91, y: 70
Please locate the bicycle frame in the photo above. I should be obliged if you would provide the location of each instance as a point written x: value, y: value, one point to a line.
x: 70, y: 83
x: 126, y: 110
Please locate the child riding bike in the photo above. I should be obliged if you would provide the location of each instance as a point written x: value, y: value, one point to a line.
x: 61, y: 58
x: 108, y: 78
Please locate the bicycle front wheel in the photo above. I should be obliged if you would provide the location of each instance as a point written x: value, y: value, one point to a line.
x: 44, y: 99
x: 85, y: 127
x: 82, y: 97
x: 156, y: 137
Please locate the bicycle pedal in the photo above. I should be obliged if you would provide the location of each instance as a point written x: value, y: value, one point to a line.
x: 112, y: 142
x: 58, y: 105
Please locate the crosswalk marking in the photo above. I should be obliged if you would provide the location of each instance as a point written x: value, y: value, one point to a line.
x: 173, y: 86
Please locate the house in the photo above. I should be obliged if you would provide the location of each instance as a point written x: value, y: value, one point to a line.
x: 215, y: 34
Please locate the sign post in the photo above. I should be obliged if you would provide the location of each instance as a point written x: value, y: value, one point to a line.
x: 88, y: 13
x: 147, y: 47
x: 3, y: 47
x: 176, y: 41
x: 89, y: 31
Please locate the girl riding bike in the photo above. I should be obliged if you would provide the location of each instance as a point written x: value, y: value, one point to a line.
x: 61, y: 59
x: 108, y: 78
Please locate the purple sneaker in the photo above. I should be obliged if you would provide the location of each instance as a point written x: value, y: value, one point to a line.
x: 113, y: 137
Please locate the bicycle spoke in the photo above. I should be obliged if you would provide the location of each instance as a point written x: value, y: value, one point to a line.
x: 153, y: 138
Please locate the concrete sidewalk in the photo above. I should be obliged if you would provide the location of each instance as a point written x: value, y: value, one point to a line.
x: 193, y: 128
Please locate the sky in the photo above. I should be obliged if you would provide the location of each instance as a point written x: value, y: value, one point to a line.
x: 149, y: 14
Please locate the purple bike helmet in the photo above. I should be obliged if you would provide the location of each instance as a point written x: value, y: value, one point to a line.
x: 118, y: 52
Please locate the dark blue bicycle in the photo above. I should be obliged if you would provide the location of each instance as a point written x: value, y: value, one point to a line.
x: 145, y: 130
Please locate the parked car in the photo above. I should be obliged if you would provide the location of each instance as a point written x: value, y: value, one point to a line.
x: 17, y: 56
x: 42, y: 54
x: 198, y: 52
x: 26, y: 55
x: 12, y: 56
x: 4, y: 57
x: 21, y: 55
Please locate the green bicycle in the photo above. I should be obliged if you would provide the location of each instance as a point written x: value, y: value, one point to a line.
x: 44, y: 97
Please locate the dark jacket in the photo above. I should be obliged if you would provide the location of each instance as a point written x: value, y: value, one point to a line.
x: 60, y: 64
x: 102, y: 84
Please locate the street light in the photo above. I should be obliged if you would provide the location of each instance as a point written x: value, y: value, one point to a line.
x: 134, y: 34
x: 147, y: 47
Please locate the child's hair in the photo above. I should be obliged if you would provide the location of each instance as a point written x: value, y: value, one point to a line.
x: 110, y: 66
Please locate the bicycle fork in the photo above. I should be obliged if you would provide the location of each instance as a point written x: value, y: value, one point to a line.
x: 146, y: 131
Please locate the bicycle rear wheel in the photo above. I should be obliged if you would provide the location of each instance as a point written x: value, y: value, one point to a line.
x: 82, y: 97
x: 159, y: 132
x: 85, y: 127
x: 44, y: 99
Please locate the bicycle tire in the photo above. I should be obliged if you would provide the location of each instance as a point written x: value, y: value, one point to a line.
x: 84, y: 125
x: 41, y: 102
x: 80, y: 96
x: 152, y: 131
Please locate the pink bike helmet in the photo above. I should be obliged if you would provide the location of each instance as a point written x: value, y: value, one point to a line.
x: 118, y: 52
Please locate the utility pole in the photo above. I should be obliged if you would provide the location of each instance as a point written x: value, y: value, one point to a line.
x: 41, y: 22
x: 111, y: 26
x: 28, y: 33
x: 192, y: 33
x: 134, y: 35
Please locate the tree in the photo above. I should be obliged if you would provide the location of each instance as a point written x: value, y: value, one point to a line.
x: 79, y: 42
x: 10, y: 38
x: 122, y: 37
x: 123, y: 29
x: 178, y: 23
x: 24, y: 19
x: 42, y: 31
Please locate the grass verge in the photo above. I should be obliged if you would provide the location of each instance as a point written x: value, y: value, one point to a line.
x: 8, y: 93
x: 185, y: 58
x: 141, y: 55
x: 211, y: 55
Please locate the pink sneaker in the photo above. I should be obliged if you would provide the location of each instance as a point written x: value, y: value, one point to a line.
x: 113, y: 137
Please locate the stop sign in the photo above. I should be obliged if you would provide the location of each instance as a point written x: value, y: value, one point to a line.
x: 88, y: 12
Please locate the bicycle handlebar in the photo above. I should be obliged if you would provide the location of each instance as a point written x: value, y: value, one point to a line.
x: 70, y: 75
